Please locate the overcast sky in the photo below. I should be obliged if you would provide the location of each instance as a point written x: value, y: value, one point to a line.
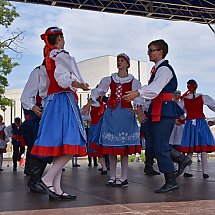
x: 92, y: 34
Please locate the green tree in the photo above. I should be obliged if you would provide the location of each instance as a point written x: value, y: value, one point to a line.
x: 7, y: 15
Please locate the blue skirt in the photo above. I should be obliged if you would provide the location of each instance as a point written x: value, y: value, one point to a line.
x: 61, y: 128
x: 119, y: 132
x: 93, y: 137
x: 197, y: 137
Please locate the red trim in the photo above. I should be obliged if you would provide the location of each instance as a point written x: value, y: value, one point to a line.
x: 59, y: 150
x: 95, y: 154
x: 27, y: 116
x: 157, y: 105
x: 20, y: 138
x: 196, y: 149
x: 116, y: 151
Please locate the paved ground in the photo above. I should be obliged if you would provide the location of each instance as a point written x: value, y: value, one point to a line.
x: 195, y: 196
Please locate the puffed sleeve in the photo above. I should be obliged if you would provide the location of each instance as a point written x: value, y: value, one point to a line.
x: 100, y: 90
x: 62, y: 72
x: 30, y: 90
x: 209, y: 102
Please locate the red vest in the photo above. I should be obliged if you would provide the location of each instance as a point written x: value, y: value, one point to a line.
x: 112, y: 101
x: 96, y: 113
x: 53, y: 86
x: 194, y: 108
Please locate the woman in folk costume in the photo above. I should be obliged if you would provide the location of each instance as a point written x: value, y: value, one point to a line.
x: 61, y: 132
x: 119, y: 131
x: 197, y: 136
x: 3, y: 144
x: 96, y: 113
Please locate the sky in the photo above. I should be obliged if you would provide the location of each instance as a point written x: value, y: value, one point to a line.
x: 91, y: 34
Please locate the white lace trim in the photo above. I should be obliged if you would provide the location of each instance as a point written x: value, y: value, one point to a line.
x: 123, y: 137
x: 120, y: 80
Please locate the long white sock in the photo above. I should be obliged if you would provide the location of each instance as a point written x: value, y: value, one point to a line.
x: 187, y: 168
x: 57, y: 183
x: 1, y: 159
x: 204, y: 159
x: 124, y: 167
x: 57, y: 166
x: 113, y: 162
x: 102, y: 162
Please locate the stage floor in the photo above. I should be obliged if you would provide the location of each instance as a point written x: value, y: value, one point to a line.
x: 195, y: 196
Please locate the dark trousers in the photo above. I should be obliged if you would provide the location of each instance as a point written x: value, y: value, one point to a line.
x: 17, y: 152
x: 158, y: 135
x: 30, y: 130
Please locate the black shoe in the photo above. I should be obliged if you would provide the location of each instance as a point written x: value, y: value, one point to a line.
x: 120, y: 183
x: 103, y: 172
x: 44, y: 188
x: 100, y: 169
x: 1, y: 169
x: 188, y: 175
x: 14, y: 169
x: 151, y: 172
x: 75, y: 165
x: 89, y: 164
x: 168, y: 187
x: 111, y: 182
x: 205, y: 176
x: 63, y: 169
x: 95, y: 164
x: 65, y: 196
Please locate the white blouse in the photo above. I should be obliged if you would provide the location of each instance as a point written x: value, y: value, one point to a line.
x: 38, y: 81
x: 66, y: 70
x: 104, y: 85
x: 207, y: 100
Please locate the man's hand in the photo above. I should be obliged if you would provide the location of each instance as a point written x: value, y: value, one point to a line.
x: 37, y: 110
x: 130, y: 95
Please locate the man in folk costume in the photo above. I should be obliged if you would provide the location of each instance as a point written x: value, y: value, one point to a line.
x: 163, y: 111
x: 34, y: 92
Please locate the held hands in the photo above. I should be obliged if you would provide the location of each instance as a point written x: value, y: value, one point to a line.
x: 37, y: 110
x: 85, y: 87
x: 130, y: 95
x: 82, y: 86
x: 86, y: 108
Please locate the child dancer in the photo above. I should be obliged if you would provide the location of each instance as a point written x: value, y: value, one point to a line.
x: 163, y: 111
x: 3, y: 144
x: 119, y: 130
x: 197, y: 136
x: 61, y: 133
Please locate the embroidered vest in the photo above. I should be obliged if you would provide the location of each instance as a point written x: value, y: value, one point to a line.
x: 117, y: 91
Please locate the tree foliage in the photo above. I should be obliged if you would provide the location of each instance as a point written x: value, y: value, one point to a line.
x: 7, y: 15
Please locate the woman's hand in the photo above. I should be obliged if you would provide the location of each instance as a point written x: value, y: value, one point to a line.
x: 130, y: 95
x: 82, y: 86
x: 85, y: 87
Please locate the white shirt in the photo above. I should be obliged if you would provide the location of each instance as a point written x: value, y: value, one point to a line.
x: 104, y: 85
x: 162, y: 77
x: 37, y: 81
x: 66, y: 70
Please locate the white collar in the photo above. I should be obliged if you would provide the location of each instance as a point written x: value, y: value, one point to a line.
x: 120, y: 80
x: 159, y: 62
